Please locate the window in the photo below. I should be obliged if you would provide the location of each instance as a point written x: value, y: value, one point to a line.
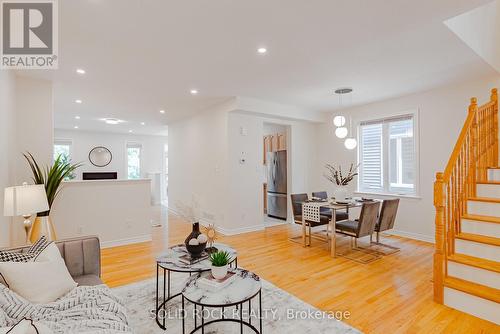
x: 387, y: 156
x: 62, y: 147
x: 133, y: 161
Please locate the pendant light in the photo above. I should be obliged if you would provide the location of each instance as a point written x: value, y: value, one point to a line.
x: 339, y: 121
x: 350, y: 143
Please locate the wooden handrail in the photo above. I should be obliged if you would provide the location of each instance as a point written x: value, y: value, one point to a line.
x: 475, y: 151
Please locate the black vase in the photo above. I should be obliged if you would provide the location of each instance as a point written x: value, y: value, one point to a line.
x: 195, y: 250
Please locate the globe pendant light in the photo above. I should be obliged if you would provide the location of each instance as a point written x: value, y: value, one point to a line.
x: 339, y: 121
x: 350, y: 143
x: 341, y: 132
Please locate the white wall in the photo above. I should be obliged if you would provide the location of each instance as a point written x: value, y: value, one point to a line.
x: 84, y: 141
x: 205, y: 169
x: 7, y: 124
x: 198, y: 163
x: 152, y: 159
x: 245, y: 211
x: 32, y: 132
x: 34, y: 124
x: 441, y: 114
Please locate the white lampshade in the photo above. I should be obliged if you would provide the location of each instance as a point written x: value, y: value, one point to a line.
x: 25, y: 200
x: 339, y: 120
x: 350, y: 143
x: 341, y: 132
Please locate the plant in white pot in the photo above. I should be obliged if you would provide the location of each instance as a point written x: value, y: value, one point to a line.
x: 220, y: 263
x: 341, y: 181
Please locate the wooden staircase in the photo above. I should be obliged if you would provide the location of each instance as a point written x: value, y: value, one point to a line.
x: 467, y: 201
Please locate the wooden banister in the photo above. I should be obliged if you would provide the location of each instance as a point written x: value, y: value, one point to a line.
x: 475, y: 151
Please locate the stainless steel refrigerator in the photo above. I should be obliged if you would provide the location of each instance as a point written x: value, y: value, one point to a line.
x: 276, y: 184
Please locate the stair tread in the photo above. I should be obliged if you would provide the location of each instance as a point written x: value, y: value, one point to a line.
x: 479, y: 238
x: 472, y: 288
x: 475, y: 262
x: 489, y: 182
x: 487, y: 219
x: 485, y: 199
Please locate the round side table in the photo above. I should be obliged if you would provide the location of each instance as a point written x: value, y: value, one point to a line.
x: 238, y: 293
x: 170, y: 261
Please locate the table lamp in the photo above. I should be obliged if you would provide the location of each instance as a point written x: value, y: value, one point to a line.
x: 25, y: 201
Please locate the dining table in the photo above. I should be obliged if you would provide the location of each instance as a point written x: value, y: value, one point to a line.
x: 311, y: 212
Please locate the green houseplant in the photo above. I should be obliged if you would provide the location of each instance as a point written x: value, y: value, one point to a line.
x: 220, y: 262
x: 51, y: 177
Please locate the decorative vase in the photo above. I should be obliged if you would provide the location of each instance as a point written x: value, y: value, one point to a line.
x: 219, y: 272
x: 340, y: 193
x: 195, y: 250
x: 42, y: 226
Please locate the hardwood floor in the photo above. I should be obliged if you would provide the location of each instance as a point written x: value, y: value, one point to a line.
x: 390, y: 295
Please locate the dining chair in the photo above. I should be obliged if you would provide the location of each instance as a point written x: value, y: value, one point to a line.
x: 385, y: 222
x: 297, y: 201
x: 339, y: 214
x: 359, y: 228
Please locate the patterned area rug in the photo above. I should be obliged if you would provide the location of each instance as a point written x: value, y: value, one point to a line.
x: 282, y: 312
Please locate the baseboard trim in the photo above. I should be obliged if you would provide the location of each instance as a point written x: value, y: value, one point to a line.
x: 126, y: 241
x: 226, y: 231
x: 411, y: 235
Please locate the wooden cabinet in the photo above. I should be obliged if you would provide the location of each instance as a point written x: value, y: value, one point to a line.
x: 281, y: 142
x: 268, y: 147
x: 273, y: 143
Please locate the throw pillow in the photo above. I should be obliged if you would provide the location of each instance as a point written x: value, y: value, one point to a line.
x: 39, y: 245
x: 50, y: 253
x: 33, y: 251
x: 38, y: 282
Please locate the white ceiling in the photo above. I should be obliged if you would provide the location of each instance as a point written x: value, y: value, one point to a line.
x: 142, y: 56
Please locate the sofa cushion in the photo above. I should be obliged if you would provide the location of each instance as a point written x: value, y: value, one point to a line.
x: 38, y: 282
x: 88, y: 280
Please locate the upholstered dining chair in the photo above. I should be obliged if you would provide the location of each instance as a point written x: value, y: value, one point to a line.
x: 359, y: 228
x: 386, y: 222
x: 297, y: 200
x: 339, y: 214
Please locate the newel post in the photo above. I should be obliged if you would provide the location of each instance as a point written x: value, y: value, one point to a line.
x: 440, y: 248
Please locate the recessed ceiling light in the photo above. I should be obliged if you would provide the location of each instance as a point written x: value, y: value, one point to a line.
x: 112, y: 121
x: 75, y: 127
x: 162, y: 111
x: 130, y: 131
x: 78, y: 101
x: 80, y: 71
x: 77, y: 117
x: 194, y: 91
x: 262, y: 50
x: 142, y: 123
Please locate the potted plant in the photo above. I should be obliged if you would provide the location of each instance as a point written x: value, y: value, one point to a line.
x: 341, y: 181
x: 220, y: 263
x: 51, y: 177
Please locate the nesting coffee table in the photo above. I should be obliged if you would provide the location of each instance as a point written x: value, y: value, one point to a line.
x: 240, y: 292
x: 170, y: 262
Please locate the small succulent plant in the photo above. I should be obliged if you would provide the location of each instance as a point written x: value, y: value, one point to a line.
x: 220, y: 258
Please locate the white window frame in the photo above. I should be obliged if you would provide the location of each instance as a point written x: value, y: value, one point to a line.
x: 63, y: 141
x: 385, y: 155
x: 132, y: 144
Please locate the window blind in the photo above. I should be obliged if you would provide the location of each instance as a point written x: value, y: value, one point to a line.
x: 387, y: 155
x: 371, y: 157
